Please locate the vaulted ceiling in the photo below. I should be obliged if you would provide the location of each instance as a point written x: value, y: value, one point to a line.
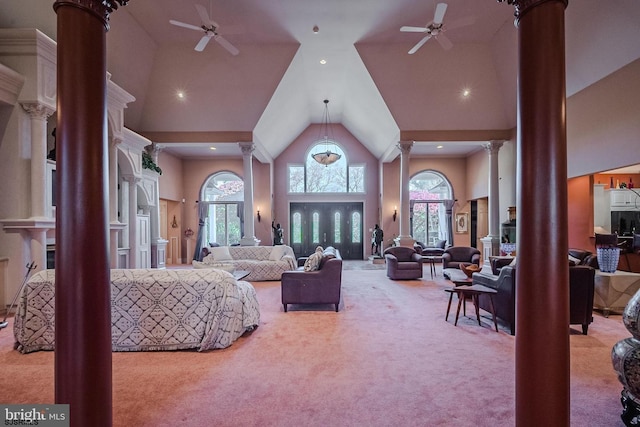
x: 274, y: 88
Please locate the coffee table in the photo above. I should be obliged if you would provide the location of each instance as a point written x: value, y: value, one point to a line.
x: 471, y: 291
x: 240, y: 274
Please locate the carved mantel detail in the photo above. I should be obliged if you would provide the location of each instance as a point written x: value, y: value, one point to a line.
x: 522, y: 6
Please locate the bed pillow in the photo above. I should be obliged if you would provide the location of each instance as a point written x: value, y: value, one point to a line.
x: 277, y: 253
x: 221, y: 253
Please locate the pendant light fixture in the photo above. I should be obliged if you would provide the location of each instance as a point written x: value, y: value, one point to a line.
x: 326, y: 157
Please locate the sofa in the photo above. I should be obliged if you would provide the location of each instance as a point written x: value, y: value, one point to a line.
x: 425, y: 250
x: 453, y: 256
x: 403, y: 263
x: 581, y: 288
x: 151, y: 310
x: 321, y: 286
x: 262, y: 262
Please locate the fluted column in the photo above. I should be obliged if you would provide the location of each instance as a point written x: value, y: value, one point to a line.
x: 83, y: 294
x: 404, y: 238
x: 542, y: 348
x: 132, y: 209
x: 249, y: 238
x: 491, y: 243
x: 38, y: 114
x: 113, y: 200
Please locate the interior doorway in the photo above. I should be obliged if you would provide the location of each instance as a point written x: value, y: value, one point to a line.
x: 327, y: 224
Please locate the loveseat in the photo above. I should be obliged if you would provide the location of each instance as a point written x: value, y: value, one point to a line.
x: 321, y: 286
x: 262, y: 262
x: 453, y: 256
x: 581, y: 286
x: 151, y: 310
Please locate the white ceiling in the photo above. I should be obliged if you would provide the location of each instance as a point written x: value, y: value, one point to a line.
x: 275, y: 87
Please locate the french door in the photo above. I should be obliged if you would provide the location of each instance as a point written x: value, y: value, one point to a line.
x: 327, y: 224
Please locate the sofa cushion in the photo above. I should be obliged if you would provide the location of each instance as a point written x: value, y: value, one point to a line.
x: 313, y: 262
x: 221, y: 253
x: 277, y: 252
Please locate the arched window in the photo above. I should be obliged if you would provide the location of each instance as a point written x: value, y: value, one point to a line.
x: 338, y: 177
x: 296, y: 228
x: 427, y: 192
x: 356, y: 228
x: 337, y: 230
x: 223, y: 192
x: 315, y: 228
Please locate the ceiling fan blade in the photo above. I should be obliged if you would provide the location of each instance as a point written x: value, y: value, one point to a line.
x: 444, y: 41
x: 441, y: 8
x: 202, y: 43
x: 462, y: 22
x: 419, y: 45
x: 182, y: 24
x: 407, y: 29
x: 204, y: 16
x: 225, y: 44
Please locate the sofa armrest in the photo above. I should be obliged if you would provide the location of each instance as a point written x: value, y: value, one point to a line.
x: 391, y: 259
x: 416, y: 257
x: 475, y: 259
x: 302, y: 260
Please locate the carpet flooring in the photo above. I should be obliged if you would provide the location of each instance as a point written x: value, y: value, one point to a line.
x: 387, y: 358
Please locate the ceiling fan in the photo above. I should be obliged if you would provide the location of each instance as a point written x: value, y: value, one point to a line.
x: 210, y: 28
x: 436, y: 29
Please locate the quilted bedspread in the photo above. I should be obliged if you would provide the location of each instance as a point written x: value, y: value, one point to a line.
x: 150, y: 310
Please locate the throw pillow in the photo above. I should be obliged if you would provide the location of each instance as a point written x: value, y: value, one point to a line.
x: 277, y: 252
x: 221, y: 253
x: 513, y: 262
x: 313, y: 262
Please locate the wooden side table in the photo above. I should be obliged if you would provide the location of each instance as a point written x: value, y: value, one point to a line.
x: 471, y: 291
x: 431, y: 259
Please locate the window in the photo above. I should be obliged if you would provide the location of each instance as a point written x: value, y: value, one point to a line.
x: 315, y: 228
x: 296, y: 227
x: 339, y: 177
x: 337, y: 231
x: 224, y: 194
x: 427, y: 191
x: 356, y: 232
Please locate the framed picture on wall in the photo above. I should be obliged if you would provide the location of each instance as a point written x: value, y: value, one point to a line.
x: 462, y: 223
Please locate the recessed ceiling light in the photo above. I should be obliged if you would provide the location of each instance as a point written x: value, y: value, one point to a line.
x: 466, y: 92
x: 212, y: 148
x: 323, y: 61
x: 181, y: 95
x: 439, y: 147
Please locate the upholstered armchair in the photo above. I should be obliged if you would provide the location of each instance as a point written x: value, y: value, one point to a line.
x: 403, y: 263
x: 456, y: 255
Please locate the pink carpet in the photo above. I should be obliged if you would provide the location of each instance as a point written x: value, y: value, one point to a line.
x: 387, y: 358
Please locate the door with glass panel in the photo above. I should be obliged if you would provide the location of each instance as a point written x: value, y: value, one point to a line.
x: 327, y: 224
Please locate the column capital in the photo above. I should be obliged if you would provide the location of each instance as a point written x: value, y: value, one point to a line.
x: 100, y: 8
x: 247, y: 148
x: 522, y: 6
x: 492, y: 147
x: 404, y: 147
x: 37, y: 110
x: 115, y: 141
x: 131, y: 179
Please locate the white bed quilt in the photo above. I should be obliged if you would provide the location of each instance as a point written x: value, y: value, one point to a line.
x: 151, y: 310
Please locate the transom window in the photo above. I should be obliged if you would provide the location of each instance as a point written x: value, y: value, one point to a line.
x: 339, y: 177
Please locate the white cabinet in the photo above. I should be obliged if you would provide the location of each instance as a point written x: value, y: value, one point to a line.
x: 624, y: 198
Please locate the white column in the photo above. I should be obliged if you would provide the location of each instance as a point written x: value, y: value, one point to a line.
x: 38, y: 114
x: 491, y: 243
x: 113, y: 201
x: 249, y: 238
x: 404, y: 239
x: 132, y: 181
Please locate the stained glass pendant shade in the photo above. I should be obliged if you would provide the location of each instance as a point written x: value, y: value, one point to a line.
x: 327, y: 156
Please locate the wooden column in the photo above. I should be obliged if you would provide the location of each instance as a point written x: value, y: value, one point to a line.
x: 83, y: 309
x: 542, y: 297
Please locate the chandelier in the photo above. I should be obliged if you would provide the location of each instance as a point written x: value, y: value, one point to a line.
x: 326, y: 157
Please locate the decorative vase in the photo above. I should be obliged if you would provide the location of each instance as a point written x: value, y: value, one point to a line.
x: 608, y: 259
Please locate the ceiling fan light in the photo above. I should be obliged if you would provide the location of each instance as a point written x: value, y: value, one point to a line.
x: 326, y: 157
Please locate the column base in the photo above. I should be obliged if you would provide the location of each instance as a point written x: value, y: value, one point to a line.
x: 249, y: 241
x: 490, y: 247
x: 407, y: 241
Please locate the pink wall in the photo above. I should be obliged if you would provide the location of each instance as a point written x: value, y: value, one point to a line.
x: 580, y: 213
x: 356, y: 153
x: 170, y: 182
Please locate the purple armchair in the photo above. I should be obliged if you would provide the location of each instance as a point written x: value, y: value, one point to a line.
x: 403, y: 263
x: 321, y: 286
x: 456, y: 255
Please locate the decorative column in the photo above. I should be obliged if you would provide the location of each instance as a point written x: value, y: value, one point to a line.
x: 158, y: 244
x: 131, y: 182
x: 126, y: 220
x: 404, y: 238
x: 114, y: 223
x: 83, y: 294
x: 249, y: 238
x: 491, y: 243
x: 542, y: 348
